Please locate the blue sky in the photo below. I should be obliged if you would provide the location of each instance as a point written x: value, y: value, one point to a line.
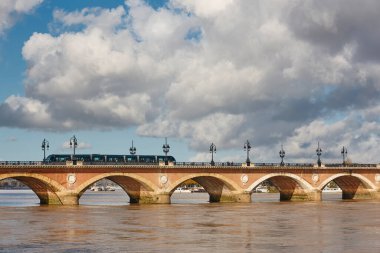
x: 24, y: 144
x: 12, y: 65
x: 291, y: 73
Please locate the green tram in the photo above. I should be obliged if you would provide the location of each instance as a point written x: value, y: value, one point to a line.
x: 100, y: 158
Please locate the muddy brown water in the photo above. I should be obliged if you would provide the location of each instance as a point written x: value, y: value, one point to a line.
x: 105, y: 222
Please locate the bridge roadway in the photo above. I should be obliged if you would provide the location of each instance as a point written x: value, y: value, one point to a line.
x: 64, y: 184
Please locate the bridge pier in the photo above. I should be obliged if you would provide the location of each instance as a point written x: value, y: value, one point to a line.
x: 48, y: 198
x: 231, y: 197
x: 315, y: 195
x: 312, y: 195
x: 68, y: 198
x: 159, y: 198
x: 376, y: 194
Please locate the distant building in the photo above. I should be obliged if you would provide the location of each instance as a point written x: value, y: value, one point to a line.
x: 11, y: 183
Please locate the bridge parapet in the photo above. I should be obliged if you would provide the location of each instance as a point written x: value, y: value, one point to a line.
x: 353, y: 165
x: 189, y: 164
x: 2, y: 163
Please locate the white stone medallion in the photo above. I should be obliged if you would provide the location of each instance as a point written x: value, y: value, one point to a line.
x: 244, y: 178
x: 315, y: 177
x: 71, y: 178
x: 163, y: 179
x: 377, y: 178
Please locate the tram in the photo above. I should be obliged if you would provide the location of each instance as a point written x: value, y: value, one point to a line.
x: 104, y: 158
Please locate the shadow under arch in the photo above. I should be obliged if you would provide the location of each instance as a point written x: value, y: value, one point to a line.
x: 353, y: 185
x: 219, y: 187
x: 135, y: 186
x: 290, y: 186
x: 44, y: 187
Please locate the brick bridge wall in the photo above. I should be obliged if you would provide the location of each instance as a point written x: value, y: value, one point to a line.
x: 62, y: 184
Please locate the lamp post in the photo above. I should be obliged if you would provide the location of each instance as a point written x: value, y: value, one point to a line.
x: 344, y: 154
x: 247, y: 147
x: 282, y: 155
x: 319, y: 153
x: 74, y: 144
x: 212, y: 151
x: 166, y: 148
x: 45, y: 146
x: 132, y: 149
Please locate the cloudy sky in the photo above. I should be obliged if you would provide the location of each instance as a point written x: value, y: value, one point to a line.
x: 274, y: 72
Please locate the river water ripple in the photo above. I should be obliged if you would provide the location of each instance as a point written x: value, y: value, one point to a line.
x: 104, y: 222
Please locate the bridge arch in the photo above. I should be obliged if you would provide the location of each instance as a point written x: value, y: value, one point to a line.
x: 290, y: 186
x: 302, y: 182
x: 365, y: 181
x: 219, y: 187
x: 45, y: 188
x: 230, y: 184
x: 353, y: 185
x: 134, y: 185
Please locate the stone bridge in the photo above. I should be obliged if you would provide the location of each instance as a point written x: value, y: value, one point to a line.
x: 65, y: 184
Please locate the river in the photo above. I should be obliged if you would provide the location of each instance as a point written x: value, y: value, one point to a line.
x: 105, y: 222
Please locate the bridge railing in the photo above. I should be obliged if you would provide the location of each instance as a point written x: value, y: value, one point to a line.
x: 370, y: 165
x: 217, y: 164
x: 20, y: 162
x: 285, y: 164
x: 184, y: 164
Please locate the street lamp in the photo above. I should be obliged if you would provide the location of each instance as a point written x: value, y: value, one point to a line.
x: 319, y: 153
x: 212, y: 151
x: 166, y: 148
x: 45, y: 146
x: 247, y: 147
x: 74, y: 144
x: 344, y: 154
x: 132, y: 150
x: 282, y: 155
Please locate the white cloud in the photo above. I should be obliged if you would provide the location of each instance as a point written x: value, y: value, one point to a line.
x: 92, y: 17
x: 355, y: 132
x: 203, y: 8
x: 81, y: 145
x: 124, y: 109
x: 218, y: 128
x: 290, y: 72
x: 21, y: 111
x: 10, y: 10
